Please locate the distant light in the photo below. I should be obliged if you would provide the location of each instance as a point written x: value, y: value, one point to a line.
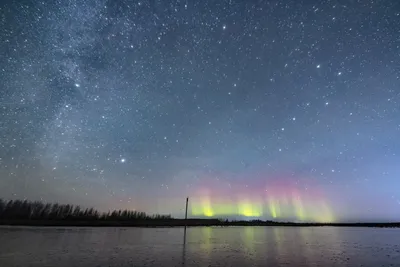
x: 339, y: 73
x: 224, y: 27
x: 318, y: 66
x: 123, y: 160
x: 283, y: 129
x: 294, y: 118
x: 77, y: 85
x: 326, y: 103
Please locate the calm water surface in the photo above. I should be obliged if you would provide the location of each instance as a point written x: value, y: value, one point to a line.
x: 206, y: 246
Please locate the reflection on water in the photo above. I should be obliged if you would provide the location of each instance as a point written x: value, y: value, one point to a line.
x: 184, y: 246
x: 200, y: 239
x: 249, y: 242
x: 206, y: 240
x: 277, y: 239
x: 199, y: 246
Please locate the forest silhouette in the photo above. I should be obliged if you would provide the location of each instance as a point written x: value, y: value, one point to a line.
x: 36, y: 210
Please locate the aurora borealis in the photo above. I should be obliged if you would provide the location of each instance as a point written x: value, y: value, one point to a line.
x: 279, y: 200
x: 279, y: 110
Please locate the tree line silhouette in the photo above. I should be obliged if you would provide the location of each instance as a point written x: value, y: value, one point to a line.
x: 24, y: 210
x: 36, y: 213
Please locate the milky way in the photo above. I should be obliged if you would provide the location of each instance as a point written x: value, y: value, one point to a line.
x: 128, y: 104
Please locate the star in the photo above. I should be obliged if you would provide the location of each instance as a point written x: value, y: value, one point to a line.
x: 115, y: 99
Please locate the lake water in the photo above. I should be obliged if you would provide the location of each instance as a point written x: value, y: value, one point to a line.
x: 204, y: 246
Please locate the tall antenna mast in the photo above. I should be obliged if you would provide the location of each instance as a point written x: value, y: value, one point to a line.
x: 187, y: 202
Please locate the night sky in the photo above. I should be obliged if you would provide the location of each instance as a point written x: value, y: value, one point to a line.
x: 271, y: 109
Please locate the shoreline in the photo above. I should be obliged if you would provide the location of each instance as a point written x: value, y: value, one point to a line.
x: 182, y: 223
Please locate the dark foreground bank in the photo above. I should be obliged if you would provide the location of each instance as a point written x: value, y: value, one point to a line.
x: 182, y: 222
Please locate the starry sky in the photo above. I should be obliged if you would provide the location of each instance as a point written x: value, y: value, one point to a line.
x: 247, y: 107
